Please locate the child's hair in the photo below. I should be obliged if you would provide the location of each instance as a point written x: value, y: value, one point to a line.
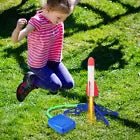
x: 65, y: 6
x: 59, y: 5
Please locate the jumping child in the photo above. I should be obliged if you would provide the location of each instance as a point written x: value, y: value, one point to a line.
x: 45, y: 32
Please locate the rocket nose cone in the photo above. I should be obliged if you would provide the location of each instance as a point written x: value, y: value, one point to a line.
x: 91, y: 61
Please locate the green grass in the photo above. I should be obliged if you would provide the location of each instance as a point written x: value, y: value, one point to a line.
x: 107, y: 30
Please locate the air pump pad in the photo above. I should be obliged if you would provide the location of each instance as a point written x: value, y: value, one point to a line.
x: 61, y: 123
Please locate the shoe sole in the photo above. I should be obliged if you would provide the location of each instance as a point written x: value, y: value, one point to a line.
x: 20, y: 97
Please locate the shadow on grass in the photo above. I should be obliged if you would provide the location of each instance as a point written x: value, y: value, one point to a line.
x: 107, y: 19
x: 9, y: 18
x: 105, y: 56
x: 71, y: 95
x: 128, y: 123
x: 17, y: 54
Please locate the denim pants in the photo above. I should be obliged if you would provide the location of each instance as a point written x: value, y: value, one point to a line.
x: 53, y: 76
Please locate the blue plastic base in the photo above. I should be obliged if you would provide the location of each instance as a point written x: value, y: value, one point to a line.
x: 61, y: 123
x: 100, y: 111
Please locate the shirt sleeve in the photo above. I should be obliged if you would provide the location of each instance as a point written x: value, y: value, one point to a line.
x: 35, y: 22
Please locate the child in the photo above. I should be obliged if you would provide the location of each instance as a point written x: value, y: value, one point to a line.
x: 44, y: 34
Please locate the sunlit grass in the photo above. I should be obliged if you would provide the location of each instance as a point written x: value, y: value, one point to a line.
x: 109, y: 31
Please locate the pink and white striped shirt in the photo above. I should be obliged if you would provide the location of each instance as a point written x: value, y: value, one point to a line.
x: 45, y: 43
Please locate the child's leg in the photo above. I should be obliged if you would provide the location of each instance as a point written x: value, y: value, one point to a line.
x: 45, y: 78
x: 65, y: 77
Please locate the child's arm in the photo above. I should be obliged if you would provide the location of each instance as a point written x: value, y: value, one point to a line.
x: 19, y: 33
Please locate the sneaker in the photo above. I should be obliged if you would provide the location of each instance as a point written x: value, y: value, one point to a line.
x: 25, y: 87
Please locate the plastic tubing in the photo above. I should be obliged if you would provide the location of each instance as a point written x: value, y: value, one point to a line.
x: 59, y: 107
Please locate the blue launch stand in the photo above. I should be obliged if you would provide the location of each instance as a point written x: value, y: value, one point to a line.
x: 62, y: 124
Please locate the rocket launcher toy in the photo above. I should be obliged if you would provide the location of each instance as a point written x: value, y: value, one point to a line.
x: 62, y: 123
x: 95, y: 111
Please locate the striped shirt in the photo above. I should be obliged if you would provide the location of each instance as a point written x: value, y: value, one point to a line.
x: 45, y: 43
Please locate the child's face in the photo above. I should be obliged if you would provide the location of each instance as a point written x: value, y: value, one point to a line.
x: 56, y: 17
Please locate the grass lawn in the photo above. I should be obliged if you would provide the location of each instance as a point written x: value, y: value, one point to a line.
x: 107, y: 30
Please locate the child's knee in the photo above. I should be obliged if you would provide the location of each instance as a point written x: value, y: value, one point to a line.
x: 55, y: 86
x: 70, y: 85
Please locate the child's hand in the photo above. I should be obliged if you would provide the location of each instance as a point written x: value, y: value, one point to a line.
x: 21, y: 23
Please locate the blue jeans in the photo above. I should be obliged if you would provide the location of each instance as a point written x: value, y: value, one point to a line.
x: 53, y: 76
